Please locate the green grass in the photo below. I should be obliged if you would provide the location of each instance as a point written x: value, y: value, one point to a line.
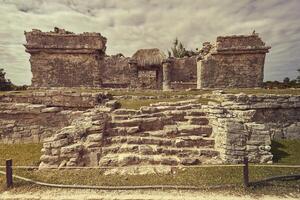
x: 22, y: 154
x: 285, y: 152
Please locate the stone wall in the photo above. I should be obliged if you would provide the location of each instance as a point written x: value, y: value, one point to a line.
x: 27, y: 123
x: 234, y: 62
x: 31, y: 116
x: 64, y: 59
x: 117, y: 72
x: 64, y: 70
x: 78, y: 144
x: 184, y: 69
x: 245, y: 124
x: 63, y: 97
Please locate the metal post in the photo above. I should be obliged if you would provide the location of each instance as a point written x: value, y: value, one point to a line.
x: 246, y: 172
x: 9, y: 173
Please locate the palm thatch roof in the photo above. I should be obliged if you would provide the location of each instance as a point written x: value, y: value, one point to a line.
x: 149, y: 57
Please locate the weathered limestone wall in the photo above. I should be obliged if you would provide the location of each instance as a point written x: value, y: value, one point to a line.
x: 31, y: 116
x: 244, y: 125
x: 117, y: 72
x: 26, y: 123
x: 64, y: 70
x: 184, y: 69
x: 235, y: 62
x: 78, y: 144
x: 57, y: 97
x: 65, y: 59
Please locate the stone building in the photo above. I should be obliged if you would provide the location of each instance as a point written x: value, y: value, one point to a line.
x: 63, y: 59
x: 235, y: 61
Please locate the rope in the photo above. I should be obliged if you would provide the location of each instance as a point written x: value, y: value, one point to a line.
x: 120, y: 167
x: 275, y: 178
x: 142, y: 166
x: 288, y: 166
x: 153, y: 187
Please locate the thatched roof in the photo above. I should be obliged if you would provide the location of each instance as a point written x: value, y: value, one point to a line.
x: 149, y: 57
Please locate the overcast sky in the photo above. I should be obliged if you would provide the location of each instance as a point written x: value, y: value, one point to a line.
x: 133, y: 24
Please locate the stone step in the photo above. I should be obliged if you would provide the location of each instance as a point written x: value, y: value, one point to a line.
x: 177, y: 103
x: 123, y: 111
x: 154, y: 150
x: 182, y: 141
x: 144, y: 124
x: 120, y: 117
x: 119, y: 131
x: 126, y: 122
x: 195, y: 112
x: 190, y: 129
x: 197, y: 120
x: 126, y: 159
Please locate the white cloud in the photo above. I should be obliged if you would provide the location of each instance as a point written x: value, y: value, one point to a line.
x: 133, y: 24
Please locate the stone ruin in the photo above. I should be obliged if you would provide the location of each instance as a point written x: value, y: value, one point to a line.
x: 89, y: 129
x: 64, y: 59
x: 81, y: 127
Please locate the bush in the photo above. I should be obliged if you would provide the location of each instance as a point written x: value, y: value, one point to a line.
x: 7, y: 85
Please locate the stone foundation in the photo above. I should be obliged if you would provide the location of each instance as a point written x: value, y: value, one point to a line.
x: 64, y: 97
x: 243, y: 125
x: 234, y: 62
x: 27, y: 123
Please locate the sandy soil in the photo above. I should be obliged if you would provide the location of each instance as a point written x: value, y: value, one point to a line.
x: 67, y: 194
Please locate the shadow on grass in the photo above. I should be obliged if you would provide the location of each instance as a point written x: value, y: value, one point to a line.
x: 278, y: 151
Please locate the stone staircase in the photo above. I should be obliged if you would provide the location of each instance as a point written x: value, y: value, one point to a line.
x: 165, y: 133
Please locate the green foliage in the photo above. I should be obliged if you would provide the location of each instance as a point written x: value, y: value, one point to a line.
x: 286, y: 151
x: 179, y: 51
x: 286, y: 80
x: 7, y: 85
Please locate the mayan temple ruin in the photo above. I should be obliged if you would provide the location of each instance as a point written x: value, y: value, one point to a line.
x: 76, y: 105
x: 64, y: 59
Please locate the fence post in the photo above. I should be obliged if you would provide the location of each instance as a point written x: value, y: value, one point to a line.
x: 246, y: 172
x: 9, y: 173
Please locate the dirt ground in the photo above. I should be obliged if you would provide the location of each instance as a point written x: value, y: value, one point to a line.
x: 67, y: 194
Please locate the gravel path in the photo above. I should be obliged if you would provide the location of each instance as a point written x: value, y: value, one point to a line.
x: 67, y: 194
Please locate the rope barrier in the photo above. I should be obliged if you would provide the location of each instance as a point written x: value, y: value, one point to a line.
x: 153, y: 187
x: 120, y: 167
x: 142, y: 166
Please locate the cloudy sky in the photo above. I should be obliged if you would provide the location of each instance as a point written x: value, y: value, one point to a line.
x: 133, y: 24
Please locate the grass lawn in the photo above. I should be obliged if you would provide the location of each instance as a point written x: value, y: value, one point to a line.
x: 285, y: 152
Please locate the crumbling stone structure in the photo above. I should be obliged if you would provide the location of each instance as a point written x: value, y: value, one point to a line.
x: 234, y: 61
x: 166, y: 133
x: 177, y: 133
x: 64, y: 59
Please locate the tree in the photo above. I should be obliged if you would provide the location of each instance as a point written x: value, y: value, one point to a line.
x: 5, y: 84
x: 298, y: 77
x: 178, y: 50
x: 286, y: 80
